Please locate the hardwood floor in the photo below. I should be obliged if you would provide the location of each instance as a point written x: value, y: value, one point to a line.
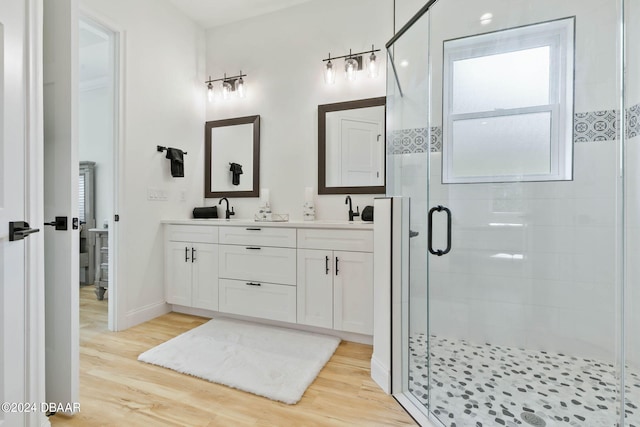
x: 117, y: 390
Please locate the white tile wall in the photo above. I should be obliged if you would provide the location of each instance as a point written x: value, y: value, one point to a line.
x: 632, y: 252
x: 532, y: 265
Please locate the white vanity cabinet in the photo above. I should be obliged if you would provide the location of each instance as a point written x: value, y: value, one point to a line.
x: 335, y: 279
x: 306, y: 273
x: 258, y: 272
x: 191, y: 266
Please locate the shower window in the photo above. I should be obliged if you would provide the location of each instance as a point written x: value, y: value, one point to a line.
x: 508, y: 105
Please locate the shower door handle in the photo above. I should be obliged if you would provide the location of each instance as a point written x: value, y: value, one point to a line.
x: 438, y: 252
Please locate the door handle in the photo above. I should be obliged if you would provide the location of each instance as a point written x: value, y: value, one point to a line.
x: 253, y: 284
x: 186, y: 254
x: 18, y: 230
x: 337, y: 266
x: 438, y: 252
x: 60, y: 223
x: 326, y: 265
x: 253, y: 248
x: 193, y: 254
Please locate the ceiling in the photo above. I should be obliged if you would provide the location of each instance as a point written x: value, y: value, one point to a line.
x: 212, y: 13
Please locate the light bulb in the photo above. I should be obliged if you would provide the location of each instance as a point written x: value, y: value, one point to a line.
x: 351, y: 67
x: 226, y: 90
x: 210, y: 92
x: 372, y: 67
x: 240, y: 88
x: 329, y: 74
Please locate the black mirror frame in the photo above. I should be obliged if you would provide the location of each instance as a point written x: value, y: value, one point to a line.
x: 322, y: 146
x: 255, y: 192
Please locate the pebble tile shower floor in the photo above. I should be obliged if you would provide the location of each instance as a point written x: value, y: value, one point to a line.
x: 489, y: 385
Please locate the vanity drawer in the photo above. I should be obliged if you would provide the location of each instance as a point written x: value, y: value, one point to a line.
x: 192, y: 233
x: 258, y: 236
x: 258, y: 263
x: 258, y: 299
x: 336, y: 239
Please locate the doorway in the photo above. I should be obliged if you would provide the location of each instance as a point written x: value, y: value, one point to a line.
x: 97, y: 135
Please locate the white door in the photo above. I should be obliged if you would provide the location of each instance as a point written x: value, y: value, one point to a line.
x: 353, y: 292
x: 13, y: 281
x: 61, y: 199
x: 315, y: 288
x: 361, y: 153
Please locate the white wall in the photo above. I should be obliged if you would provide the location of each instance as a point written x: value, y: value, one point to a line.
x: 96, y: 145
x: 405, y: 10
x: 282, y: 55
x: 164, y: 105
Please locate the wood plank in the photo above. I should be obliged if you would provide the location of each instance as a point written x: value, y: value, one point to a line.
x: 116, y: 389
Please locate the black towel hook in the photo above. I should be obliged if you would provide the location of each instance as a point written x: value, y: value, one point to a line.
x: 160, y: 148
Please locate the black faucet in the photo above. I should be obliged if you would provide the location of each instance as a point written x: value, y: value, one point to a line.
x: 227, y: 212
x: 352, y: 214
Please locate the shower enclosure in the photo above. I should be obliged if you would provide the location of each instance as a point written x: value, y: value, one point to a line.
x: 513, y: 130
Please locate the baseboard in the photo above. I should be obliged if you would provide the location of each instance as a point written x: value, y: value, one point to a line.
x: 381, y: 375
x: 346, y: 336
x: 146, y: 313
x: 44, y: 421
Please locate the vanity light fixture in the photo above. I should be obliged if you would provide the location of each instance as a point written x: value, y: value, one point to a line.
x: 352, y: 64
x: 230, y: 86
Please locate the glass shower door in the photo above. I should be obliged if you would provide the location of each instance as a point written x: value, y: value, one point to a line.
x: 514, y: 296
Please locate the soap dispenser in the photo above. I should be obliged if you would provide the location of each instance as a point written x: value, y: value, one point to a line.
x: 308, y: 209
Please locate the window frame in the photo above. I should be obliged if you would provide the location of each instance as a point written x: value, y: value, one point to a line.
x: 559, y: 36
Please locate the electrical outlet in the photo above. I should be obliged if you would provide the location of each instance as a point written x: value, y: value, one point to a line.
x: 156, y: 194
x: 152, y: 193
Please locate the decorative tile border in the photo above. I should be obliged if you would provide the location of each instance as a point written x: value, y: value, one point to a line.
x: 436, y: 139
x: 633, y: 121
x: 596, y: 126
x: 592, y: 126
x: 407, y: 141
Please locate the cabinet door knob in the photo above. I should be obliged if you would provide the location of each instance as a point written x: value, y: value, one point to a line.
x: 326, y: 264
x: 253, y: 284
x: 337, y: 266
x: 186, y: 254
x: 254, y: 248
x: 193, y: 254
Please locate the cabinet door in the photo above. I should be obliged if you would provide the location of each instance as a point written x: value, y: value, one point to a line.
x: 204, y: 266
x: 178, y: 273
x: 353, y: 292
x: 315, y: 288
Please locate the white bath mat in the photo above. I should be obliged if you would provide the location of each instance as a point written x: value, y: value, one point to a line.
x: 273, y: 362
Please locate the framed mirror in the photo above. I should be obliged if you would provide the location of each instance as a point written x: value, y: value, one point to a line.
x: 351, y: 147
x: 232, y: 157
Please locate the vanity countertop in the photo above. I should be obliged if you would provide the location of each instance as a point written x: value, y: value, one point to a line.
x: 358, y: 225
